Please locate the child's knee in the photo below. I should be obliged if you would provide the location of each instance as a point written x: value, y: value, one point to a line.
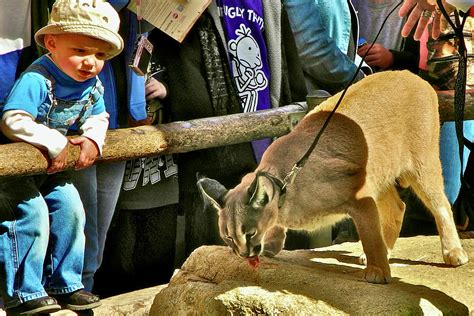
x: 68, y: 206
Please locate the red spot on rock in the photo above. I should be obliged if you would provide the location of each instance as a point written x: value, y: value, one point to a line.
x: 254, y: 261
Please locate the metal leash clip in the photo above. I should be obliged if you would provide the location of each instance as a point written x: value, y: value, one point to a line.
x: 290, y: 177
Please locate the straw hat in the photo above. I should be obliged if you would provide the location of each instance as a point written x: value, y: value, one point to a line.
x: 95, y: 18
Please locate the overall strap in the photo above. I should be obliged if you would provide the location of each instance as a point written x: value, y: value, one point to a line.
x: 97, y: 91
x: 49, y: 79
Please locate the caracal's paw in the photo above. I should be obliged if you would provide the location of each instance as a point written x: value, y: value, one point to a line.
x: 274, y: 241
x: 376, y: 275
x: 272, y: 249
x: 456, y: 257
x: 269, y: 254
x: 363, y: 259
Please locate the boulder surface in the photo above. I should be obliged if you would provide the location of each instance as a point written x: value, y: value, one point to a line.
x: 322, y: 281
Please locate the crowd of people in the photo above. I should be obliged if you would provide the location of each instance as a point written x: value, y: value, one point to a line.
x: 66, y: 80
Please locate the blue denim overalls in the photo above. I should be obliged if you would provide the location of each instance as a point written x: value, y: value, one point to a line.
x: 62, y: 114
x: 42, y: 218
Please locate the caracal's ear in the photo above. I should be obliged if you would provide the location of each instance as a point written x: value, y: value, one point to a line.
x: 259, y: 192
x: 212, y: 191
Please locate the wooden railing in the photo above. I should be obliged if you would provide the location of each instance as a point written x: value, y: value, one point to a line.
x: 177, y: 137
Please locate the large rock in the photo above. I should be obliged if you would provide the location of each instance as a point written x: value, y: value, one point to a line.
x: 324, y: 281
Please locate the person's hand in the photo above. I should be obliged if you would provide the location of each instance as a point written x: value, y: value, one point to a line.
x: 155, y: 89
x: 88, y: 154
x: 377, y: 56
x: 147, y: 121
x: 58, y: 163
x: 421, y: 13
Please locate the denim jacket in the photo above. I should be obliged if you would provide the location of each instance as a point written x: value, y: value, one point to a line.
x: 324, y: 40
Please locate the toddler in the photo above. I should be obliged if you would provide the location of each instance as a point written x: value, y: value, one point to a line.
x: 41, y: 216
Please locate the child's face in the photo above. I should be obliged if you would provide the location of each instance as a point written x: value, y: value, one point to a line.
x: 80, y: 57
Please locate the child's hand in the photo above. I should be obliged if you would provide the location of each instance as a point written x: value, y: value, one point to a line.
x: 155, y: 89
x: 59, y: 162
x: 377, y: 56
x: 89, y: 151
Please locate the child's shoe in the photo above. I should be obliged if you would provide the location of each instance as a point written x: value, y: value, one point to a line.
x: 33, y: 307
x: 78, y: 301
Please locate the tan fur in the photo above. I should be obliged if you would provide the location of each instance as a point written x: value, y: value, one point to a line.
x: 385, y: 131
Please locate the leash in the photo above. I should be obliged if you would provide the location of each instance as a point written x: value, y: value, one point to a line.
x: 291, y: 176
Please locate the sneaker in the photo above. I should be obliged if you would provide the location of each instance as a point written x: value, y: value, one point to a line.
x: 78, y: 300
x: 33, y: 307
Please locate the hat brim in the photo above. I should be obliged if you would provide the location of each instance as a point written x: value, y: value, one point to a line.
x: 113, y: 38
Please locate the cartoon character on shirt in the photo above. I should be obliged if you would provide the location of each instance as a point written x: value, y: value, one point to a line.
x: 246, y: 63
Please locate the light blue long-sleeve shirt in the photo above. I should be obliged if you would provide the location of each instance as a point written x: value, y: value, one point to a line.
x: 322, y: 31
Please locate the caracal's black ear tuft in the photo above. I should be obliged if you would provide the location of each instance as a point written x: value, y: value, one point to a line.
x: 258, y: 193
x: 212, y: 191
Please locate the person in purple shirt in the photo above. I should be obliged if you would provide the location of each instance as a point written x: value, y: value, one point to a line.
x: 239, y: 57
x: 243, y: 23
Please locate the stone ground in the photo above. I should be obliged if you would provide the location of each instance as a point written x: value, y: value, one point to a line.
x: 422, y: 283
x: 135, y: 303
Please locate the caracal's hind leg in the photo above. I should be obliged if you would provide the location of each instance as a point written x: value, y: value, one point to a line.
x: 365, y: 215
x: 391, y: 209
x: 428, y: 185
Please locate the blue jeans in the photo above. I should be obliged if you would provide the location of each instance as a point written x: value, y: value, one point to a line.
x: 41, y: 237
x: 99, y: 188
x: 449, y: 154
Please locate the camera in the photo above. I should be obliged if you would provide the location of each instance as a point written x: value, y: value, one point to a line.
x: 141, y: 55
